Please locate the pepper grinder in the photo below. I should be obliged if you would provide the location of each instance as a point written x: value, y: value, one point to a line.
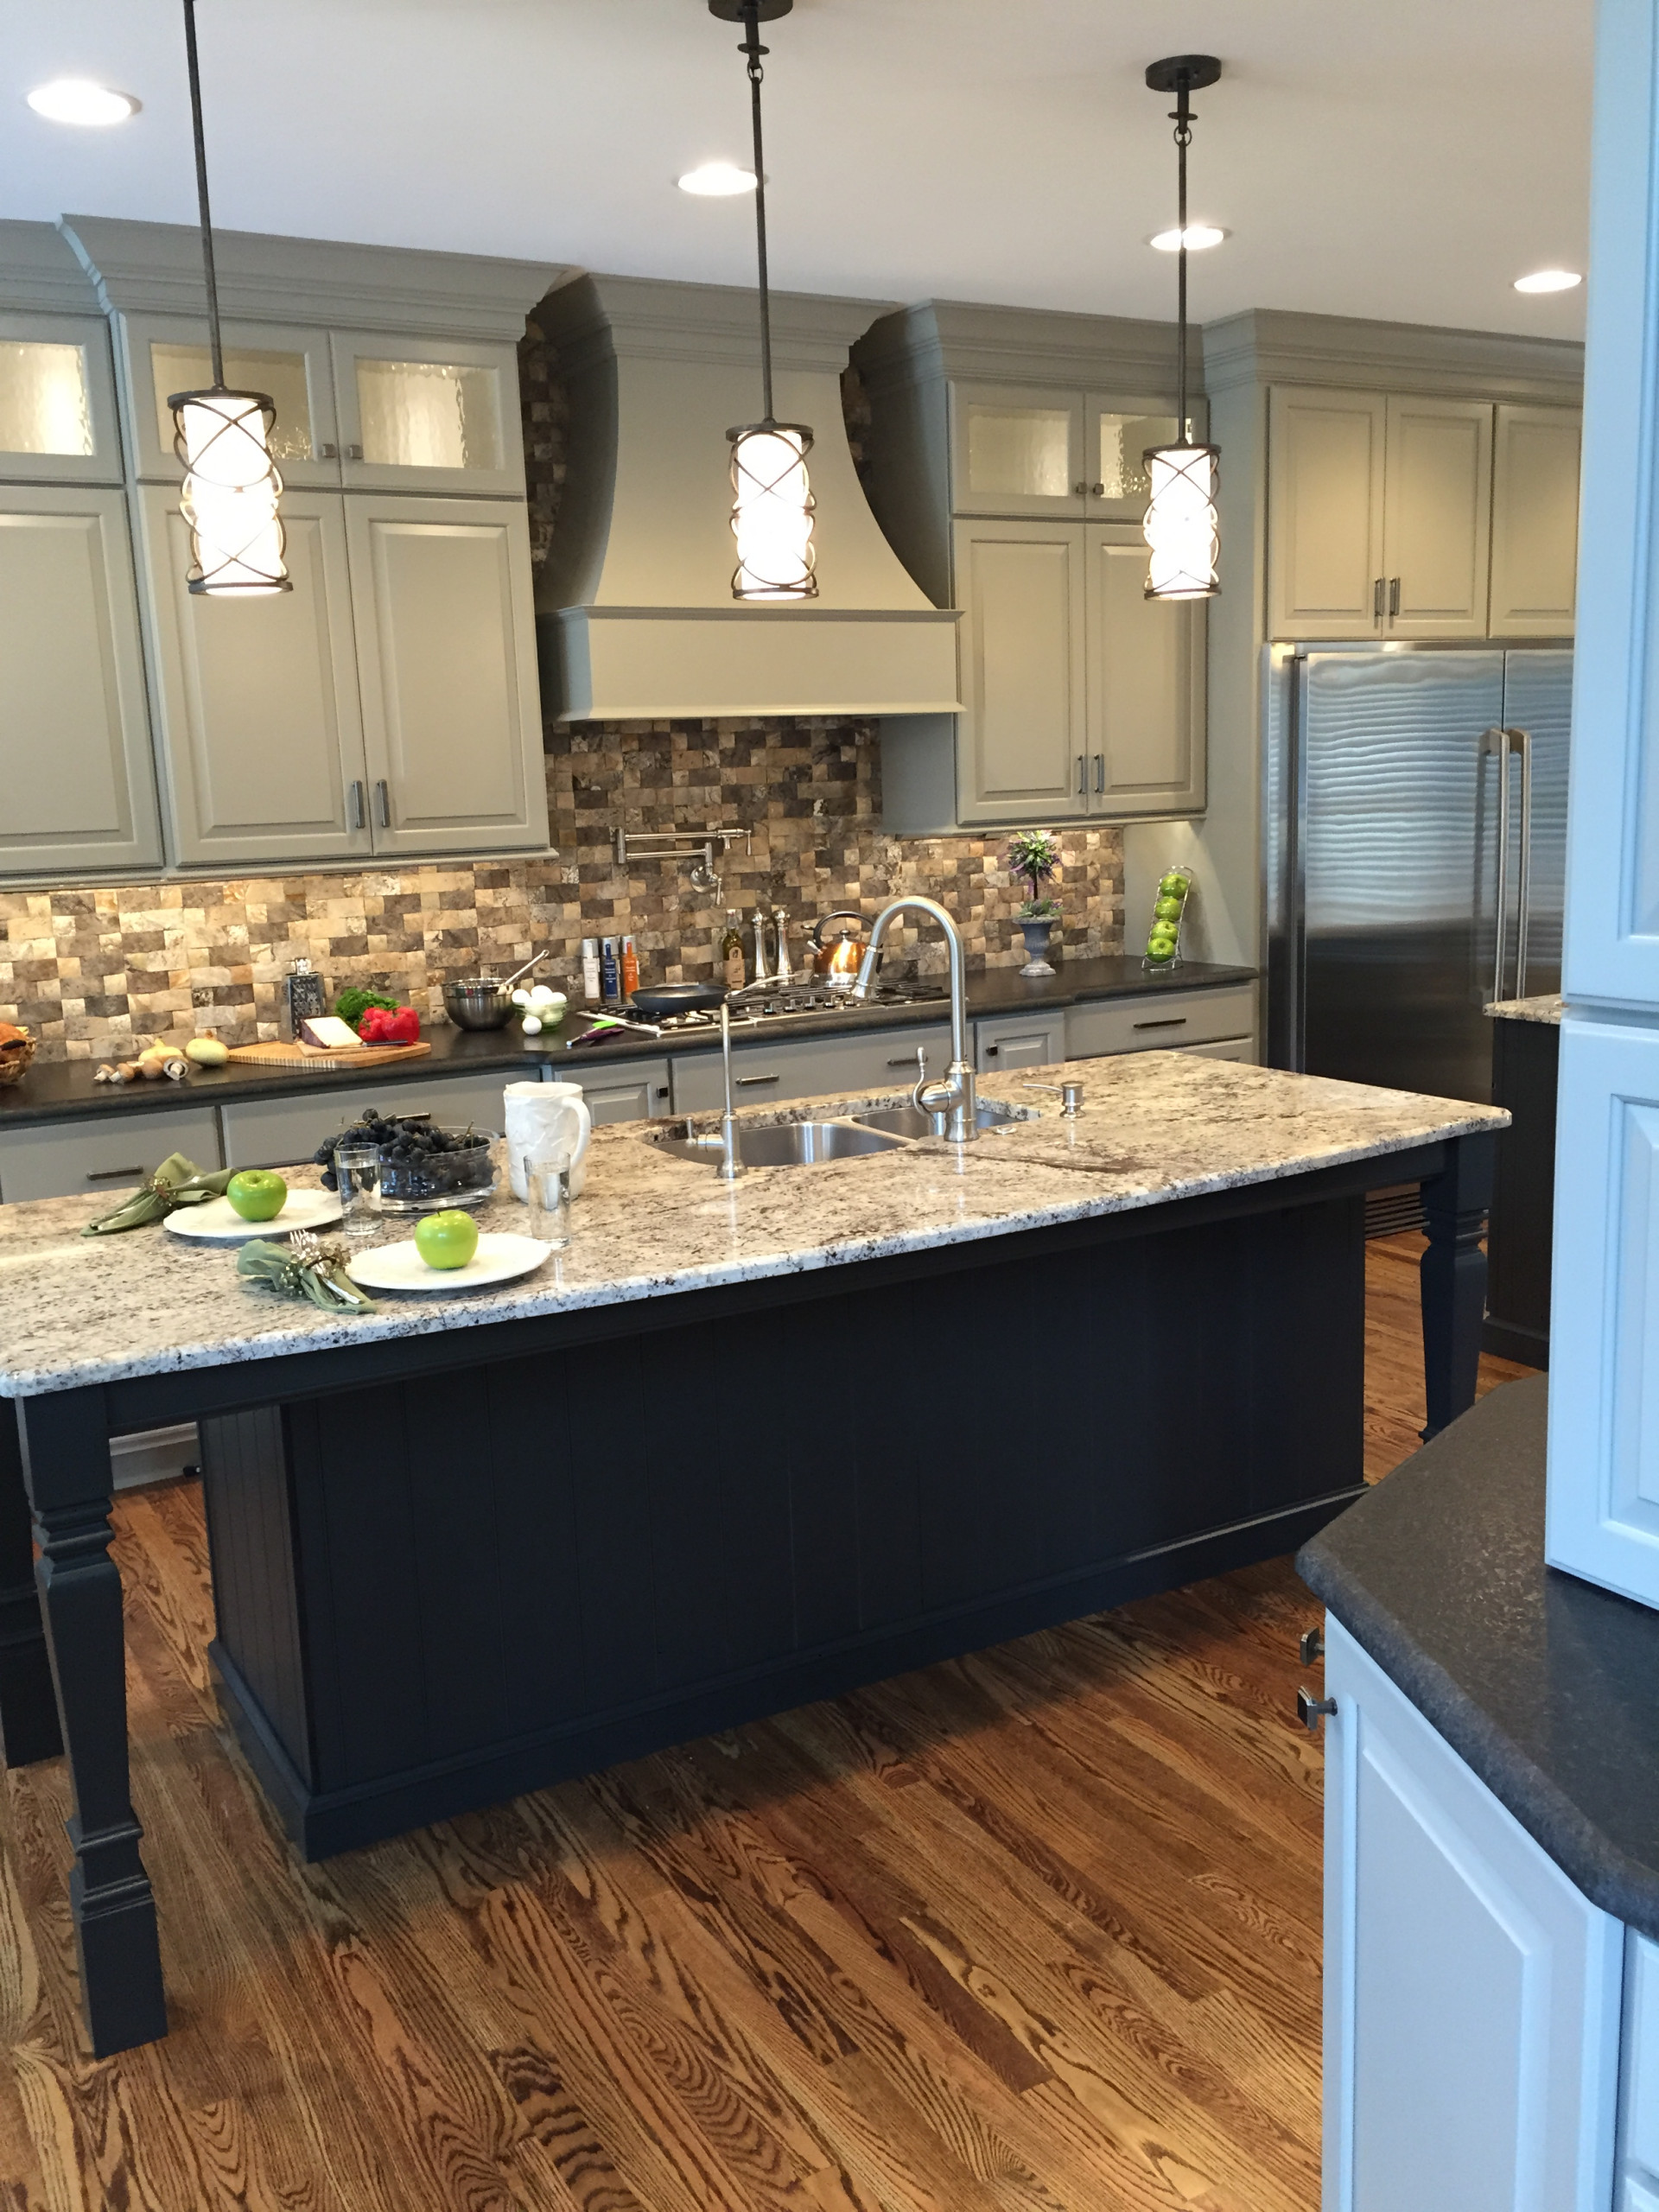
x: 762, y: 973
x: 782, y: 970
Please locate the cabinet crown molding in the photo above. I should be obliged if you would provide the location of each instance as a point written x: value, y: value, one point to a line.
x: 40, y: 273
x: 1269, y: 346
x: 595, y: 318
x: 155, y: 269
x: 984, y: 344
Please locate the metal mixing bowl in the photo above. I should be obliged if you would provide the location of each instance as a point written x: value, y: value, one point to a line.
x: 479, y: 1002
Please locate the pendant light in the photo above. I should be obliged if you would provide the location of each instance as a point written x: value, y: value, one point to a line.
x: 771, y: 494
x: 1180, y: 526
x: 231, y: 483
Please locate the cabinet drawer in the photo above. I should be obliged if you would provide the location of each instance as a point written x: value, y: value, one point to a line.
x: 808, y: 1066
x: 1640, y: 2091
x: 285, y: 1132
x: 632, y: 1093
x: 64, y: 1160
x: 1155, y: 1023
x: 1019, y: 1040
x: 1225, y: 1048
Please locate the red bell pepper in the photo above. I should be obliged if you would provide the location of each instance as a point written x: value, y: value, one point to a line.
x: 390, y: 1026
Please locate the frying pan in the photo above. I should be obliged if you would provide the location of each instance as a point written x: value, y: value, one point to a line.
x: 677, y: 998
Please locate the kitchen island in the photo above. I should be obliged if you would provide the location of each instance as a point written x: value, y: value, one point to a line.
x: 737, y: 1447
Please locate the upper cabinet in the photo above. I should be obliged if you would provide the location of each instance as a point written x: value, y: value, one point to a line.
x: 1401, y: 515
x: 57, y: 401
x: 1033, y: 450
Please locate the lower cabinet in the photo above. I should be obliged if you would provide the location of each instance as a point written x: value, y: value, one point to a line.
x: 632, y: 1093
x: 1472, y: 1993
x: 805, y: 1067
x: 111, y: 1151
x: 1638, y: 2145
x: 285, y: 1132
x: 1182, y: 1019
x: 77, y: 789
x: 1019, y: 1040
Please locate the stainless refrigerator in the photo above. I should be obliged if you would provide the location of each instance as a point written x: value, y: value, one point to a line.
x: 1415, y: 835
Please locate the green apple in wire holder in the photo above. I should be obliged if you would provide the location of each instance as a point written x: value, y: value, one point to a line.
x: 1169, y: 911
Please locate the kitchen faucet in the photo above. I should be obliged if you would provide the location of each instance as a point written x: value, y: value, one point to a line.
x: 956, y: 1096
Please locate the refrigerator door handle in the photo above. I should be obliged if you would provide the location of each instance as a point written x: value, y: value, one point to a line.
x: 1498, y: 741
x: 1522, y: 740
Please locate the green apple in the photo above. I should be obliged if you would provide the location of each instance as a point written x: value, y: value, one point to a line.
x: 258, y: 1194
x: 1172, y: 885
x: 1168, y: 910
x: 446, y: 1239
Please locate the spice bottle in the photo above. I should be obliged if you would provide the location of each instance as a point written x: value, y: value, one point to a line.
x: 303, y: 997
x: 610, y: 972
x: 590, y: 969
x: 630, y: 969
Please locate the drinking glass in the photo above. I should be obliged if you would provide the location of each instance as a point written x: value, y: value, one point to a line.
x: 357, y: 1172
x: 547, y: 1178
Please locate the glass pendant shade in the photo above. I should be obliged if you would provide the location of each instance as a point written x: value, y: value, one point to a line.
x: 230, y: 490
x: 1181, y: 526
x: 771, y: 512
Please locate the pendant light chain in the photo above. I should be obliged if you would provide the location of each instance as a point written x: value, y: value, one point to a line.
x: 754, y: 50
x: 1182, y: 119
x: 208, y: 270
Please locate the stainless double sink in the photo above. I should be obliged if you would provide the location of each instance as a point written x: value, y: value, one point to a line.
x: 803, y: 1144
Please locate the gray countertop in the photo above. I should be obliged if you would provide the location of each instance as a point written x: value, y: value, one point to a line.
x: 59, y: 1090
x: 1155, y: 1126
x: 1543, y: 1684
x: 1548, y: 1010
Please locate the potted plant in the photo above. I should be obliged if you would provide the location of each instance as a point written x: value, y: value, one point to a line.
x: 1035, y: 854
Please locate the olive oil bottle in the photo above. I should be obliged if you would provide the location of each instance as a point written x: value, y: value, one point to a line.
x: 731, y: 953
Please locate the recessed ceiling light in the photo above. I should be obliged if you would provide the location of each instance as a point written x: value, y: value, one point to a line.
x: 76, y: 100
x: 1549, y: 280
x: 717, y: 180
x: 1199, y: 237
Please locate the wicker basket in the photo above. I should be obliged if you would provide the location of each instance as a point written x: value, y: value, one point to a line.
x: 14, y: 1060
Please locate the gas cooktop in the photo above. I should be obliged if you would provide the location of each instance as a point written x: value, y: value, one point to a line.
x: 804, y: 996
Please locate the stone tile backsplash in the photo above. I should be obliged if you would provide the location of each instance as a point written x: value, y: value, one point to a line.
x: 90, y: 969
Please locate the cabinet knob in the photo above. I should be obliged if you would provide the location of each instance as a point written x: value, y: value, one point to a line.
x: 1099, y: 491
x: 1080, y: 489
x: 1310, y: 1648
x: 328, y: 450
x: 1310, y: 1710
x: 354, y: 452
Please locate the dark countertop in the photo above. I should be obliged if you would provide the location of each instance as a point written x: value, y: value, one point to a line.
x: 57, y: 1090
x: 1542, y: 1684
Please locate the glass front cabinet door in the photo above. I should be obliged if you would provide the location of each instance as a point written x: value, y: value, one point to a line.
x: 1017, y: 450
x: 1117, y: 433
x: 167, y: 354
x: 423, y: 417
x: 57, y: 402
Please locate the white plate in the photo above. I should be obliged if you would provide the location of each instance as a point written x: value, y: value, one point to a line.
x: 499, y: 1258
x: 217, y: 1222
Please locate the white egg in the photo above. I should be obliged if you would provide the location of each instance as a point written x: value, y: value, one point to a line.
x: 521, y: 998
x: 532, y: 1026
x: 543, y: 995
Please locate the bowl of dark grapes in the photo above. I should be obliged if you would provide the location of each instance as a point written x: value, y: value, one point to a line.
x: 424, y: 1167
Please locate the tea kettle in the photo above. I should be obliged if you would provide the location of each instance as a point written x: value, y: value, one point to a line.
x: 838, y: 955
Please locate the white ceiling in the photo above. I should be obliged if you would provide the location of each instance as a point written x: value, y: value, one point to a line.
x: 1375, y: 157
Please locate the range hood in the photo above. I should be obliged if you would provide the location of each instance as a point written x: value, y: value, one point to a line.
x: 636, y: 616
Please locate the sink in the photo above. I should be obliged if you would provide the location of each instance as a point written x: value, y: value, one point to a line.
x: 779, y: 1144
x: 909, y: 1122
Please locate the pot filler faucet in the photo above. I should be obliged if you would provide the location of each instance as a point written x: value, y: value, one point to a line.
x: 956, y: 1096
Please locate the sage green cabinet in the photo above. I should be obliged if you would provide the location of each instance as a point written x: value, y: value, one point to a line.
x: 77, y: 787
x: 1401, y: 515
x: 1146, y: 685
x: 162, y: 354
x: 57, y: 401
x: 1030, y: 449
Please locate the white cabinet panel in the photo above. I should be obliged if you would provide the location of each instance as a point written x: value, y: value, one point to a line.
x: 447, y: 665
x: 258, y: 696
x: 1325, y: 512
x: 426, y: 416
x: 632, y: 1091
x: 1146, y: 687
x: 1228, y: 1048
x: 1024, y: 737
x: 110, y: 1152
x: 1604, y: 1402
x: 1472, y: 1993
x: 285, y: 1132
x: 1007, y: 1041
x: 1437, y: 516
x: 57, y: 401
x: 77, y: 788
x: 1157, y: 1022
x: 808, y: 1067
x: 1535, y: 522
x: 1639, y: 2084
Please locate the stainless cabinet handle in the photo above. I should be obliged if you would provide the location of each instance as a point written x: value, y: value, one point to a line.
x: 383, y: 804
x: 743, y: 1081
x: 1100, y: 772
x: 1082, y: 777
x: 662, y: 1090
x: 1308, y: 1709
x: 1377, y: 590
x: 354, y: 800
x: 328, y: 450
x: 1311, y: 1647
x: 904, y: 1062
x: 1394, y: 595
x: 1522, y: 740
x: 991, y: 1051
x: 1497, y: 741
x: 116, y: 1175
x: 1170, y: 1021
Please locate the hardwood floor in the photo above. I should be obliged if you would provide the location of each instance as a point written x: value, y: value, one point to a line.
x: 1035, y: 1931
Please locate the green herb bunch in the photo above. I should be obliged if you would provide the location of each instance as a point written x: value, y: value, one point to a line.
x: 1035, y: 854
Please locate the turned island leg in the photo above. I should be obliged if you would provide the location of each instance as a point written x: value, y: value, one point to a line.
x: 28, y: 1710
x: 65, y: 1451
x: 1453, y: 1278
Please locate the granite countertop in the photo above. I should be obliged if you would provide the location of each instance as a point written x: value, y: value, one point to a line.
x: 1543, y: 1684
x: 1155, y: 1126
x: 55, y: 1090
x: 1548, y: 1010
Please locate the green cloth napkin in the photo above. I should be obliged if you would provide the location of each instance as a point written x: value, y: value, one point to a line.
x: 176, y: 1182
x: 305, y: 1267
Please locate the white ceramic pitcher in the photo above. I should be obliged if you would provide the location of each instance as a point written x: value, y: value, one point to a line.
x: 542, y: 1113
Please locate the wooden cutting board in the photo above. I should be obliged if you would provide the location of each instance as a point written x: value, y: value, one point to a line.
x: 312, y: 1059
